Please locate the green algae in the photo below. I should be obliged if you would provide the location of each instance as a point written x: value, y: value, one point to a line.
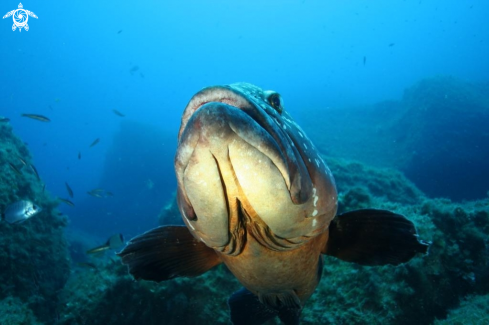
x: 108, y: 295
x: 14, y: 312
x: 33, y: 255
x: 386, y: 183
x: 473, y: 310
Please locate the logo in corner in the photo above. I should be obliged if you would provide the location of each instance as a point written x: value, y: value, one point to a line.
x: 20, y: 17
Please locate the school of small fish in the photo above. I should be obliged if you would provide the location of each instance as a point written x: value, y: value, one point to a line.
x: 18, y: 212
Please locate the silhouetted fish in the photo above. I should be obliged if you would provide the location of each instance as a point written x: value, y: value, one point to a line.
x: 100, y: 193
x: 20, y: 211
x: 68, y: 202
x: 70, y: 191
x: 256, y: 195
x: 87, y: 265
x: 37, y: 117
x: 119, y: 31
x: 4, y: 119
x: 114, y: 242
x: 14, y: 168
x: 95, y: 142
x: 116, y: 112
x: 22, y: 161
x: 34, y: 170
x: 79, y: 155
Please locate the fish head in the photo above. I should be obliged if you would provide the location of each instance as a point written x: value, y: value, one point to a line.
x: 31, y: 209
x: 244, y: 166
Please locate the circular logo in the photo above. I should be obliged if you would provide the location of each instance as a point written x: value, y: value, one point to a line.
x: 20, y: 18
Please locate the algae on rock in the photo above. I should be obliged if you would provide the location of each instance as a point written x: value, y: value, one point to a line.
x: 33, y: 254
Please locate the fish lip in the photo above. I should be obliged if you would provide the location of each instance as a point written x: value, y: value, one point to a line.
x: 215, y: 94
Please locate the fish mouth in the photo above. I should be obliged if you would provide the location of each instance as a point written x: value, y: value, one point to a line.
x: 224, y: 134
x: 283, y: 152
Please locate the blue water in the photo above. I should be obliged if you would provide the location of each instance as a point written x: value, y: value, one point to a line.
x: 78, y: 62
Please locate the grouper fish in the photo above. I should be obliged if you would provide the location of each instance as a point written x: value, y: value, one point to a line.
x: 255, y: 194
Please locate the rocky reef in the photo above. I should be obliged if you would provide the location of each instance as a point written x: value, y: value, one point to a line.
x: 436, y: 134
x: 33, y: 255
x: 416, y: 292
x: 421, y: 291
x: 41, y: 284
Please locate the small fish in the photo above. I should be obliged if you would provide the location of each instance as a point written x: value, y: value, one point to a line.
x: 22, y: 161
x: 4, y: 119
x: 141, y: 74
x: 119, y: 31
x: 15, y: 169
x: 37, y: 117
x: 134, y: 69
x: 100, y: 193
x: 68, y: 202
x: 364, y: 60
x: 95, y: 142
x: 79, y: 155
x: 70, y: 191
x: 43, y: 188
x: 87, y: 265
x: 20, y: 211
x: 95, y: 194
x: 114, y: 242
x: 35, y: 172
x: 116, y: 112
x: 391, y: 44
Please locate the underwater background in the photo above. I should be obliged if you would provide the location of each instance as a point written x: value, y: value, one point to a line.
x: 394, y: 94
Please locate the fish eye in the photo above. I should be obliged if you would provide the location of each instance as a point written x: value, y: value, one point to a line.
x: 34, y: 208
x: 275, y: 100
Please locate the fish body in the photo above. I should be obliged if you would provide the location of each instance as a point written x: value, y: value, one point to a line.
x: 69, y: 190
x: 116, y: 112
x: 95, y: 142
x: 303, y: 190
x: 95, y: 194
x: 100, y: 193
x: 20, y: 211
x: 34, y: 170
x: 67, y: 202
x: 114, y: 242
x: 22, y: 161
x: 4, y: 119
x: 15, y: 168
x: 37, y: 117
x: 255, y: 194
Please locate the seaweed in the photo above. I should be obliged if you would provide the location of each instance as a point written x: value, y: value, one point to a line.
x: 33, y: 255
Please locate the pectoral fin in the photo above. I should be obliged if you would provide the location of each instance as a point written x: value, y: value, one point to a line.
x: 167, y: 252
x: 373, y: 237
